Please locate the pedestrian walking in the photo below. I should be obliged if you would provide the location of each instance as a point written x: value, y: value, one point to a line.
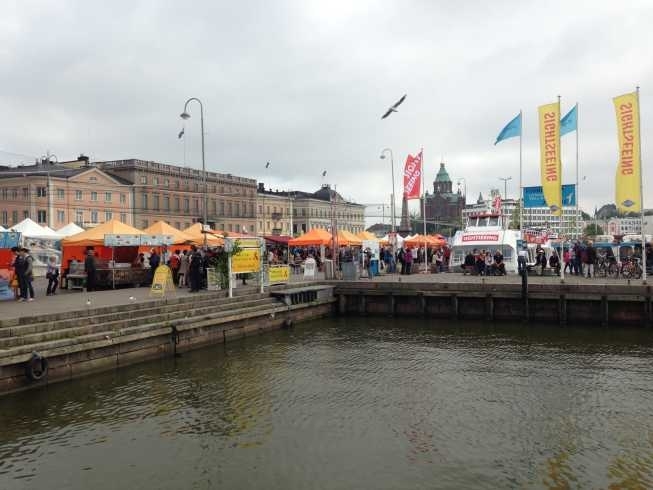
x: 26, y: 276
x: 52, y: 275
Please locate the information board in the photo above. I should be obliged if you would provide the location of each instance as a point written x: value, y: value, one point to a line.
x: 309, y: 267
x: 156, y: 240
x: 162, y: 281
x: 278, y: 274
x: 111, y: 240
x: 247, y: 260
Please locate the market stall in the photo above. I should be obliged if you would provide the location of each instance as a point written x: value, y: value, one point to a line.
x: 115, y: 247
x: 197, y: 236
x: 8, y: 239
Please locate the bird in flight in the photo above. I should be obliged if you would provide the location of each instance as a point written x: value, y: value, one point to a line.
x: 267, y: 165
x: 394, y: 107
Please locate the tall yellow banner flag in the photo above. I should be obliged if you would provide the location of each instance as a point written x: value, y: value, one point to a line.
x: 628, y: 191
x: 550, y: 162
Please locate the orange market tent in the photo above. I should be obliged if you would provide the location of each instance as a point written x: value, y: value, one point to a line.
x: 163, y: 228
x: 366, y: 235
x: 197, y: 237
x: 95, y: 236
x: 419, y: 240
x: 347, y: 238
x: 75, y: 246
x: 316, y: 236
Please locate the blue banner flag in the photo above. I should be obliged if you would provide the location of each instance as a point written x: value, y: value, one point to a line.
x: 534, y: 197
x: 513, y: 128
x: 569, y: 123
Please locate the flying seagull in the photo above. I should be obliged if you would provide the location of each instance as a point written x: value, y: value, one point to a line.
x: 181, y: 133
x: 267, y: 165
x: 324, y: 174
x: 394, y: 107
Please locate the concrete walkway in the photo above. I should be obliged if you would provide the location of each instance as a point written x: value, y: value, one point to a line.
x: 76, y: 300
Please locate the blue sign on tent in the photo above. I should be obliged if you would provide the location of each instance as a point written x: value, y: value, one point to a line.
x: 9, y: 239
x: 534, y: 197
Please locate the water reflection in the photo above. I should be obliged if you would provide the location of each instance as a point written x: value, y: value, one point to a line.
x: 356, y: 403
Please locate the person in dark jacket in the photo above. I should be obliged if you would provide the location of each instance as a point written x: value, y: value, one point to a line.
x: 470, y: 263
x: 195, y: 270
x: 590, y: 259
x: 155, y: 260
x: 90, y: 266
x: 554, y: 262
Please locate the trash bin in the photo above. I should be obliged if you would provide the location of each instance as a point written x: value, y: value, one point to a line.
x: 329, y: 272
x: 374, y: 267
x: 350, y: 271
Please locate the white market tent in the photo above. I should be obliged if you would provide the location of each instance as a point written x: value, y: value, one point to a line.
x: 31, y: 229
x: 400, y: 239
x: 69, y: 230
x: 2, y: 229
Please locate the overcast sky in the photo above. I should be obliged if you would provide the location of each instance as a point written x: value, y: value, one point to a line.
x: 303, y: 84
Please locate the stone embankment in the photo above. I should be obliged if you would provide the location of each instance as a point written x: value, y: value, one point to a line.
x: 590, y: 303
x: 36, y: 350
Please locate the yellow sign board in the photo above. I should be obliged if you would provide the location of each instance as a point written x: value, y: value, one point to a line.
x: 162, y: 280
x: 248, y: 242
x: 247, y: 260
x: 278, y: 274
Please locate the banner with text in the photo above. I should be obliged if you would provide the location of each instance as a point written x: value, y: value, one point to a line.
x: 550, y: 161
x: 534, y: 196
x: 413, y: 176
x: 627, y: 184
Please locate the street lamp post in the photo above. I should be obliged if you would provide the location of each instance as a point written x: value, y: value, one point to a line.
x: 505, y: 186
x: 48, y: 161
x: 505, y: 196
x: 392, y: 200
x: 185, y: 115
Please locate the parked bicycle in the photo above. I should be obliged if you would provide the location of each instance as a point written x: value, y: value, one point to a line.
x: 631, y: 268
x: 606, y: 266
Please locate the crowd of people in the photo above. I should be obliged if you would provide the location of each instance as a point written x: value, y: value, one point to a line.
x: 484, y: 263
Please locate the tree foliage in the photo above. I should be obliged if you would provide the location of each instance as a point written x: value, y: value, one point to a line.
x: 592, y: 230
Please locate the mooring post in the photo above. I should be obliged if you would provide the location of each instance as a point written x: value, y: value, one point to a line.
x: 362, y: 307
x: 342, y: 304
x: 454, y: 307
x: 392, y: 303
x: 521, y: 263
x: 604, y: 311
x: 422, y: 304
x: 562, y: 308
x: 489, y: 307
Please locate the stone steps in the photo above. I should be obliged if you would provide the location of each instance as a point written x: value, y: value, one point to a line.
x: 102, y: 335
x: 26, y: 335
x: 101, y: 315
x: 144, y: 310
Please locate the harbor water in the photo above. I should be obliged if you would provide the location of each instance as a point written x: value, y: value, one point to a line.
x: 344, y: 403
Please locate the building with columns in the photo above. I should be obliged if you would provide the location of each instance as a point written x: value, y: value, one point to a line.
x: 280, y: 211
x: 176, y: 195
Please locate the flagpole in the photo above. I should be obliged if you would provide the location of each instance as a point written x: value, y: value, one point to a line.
x: 641, y: 186
x: 424, y: 211
x: 562, y: 205
x: 521, y: 188
x: 578, y: 230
